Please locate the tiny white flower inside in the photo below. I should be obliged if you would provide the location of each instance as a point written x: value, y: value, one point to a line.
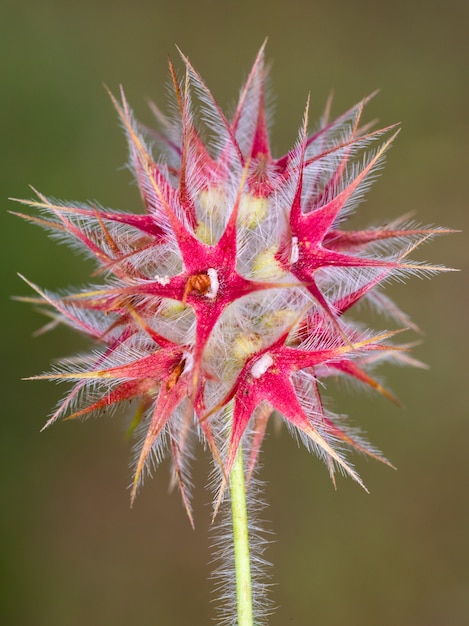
x: 295, y: 253
x: 214, y: 284
x: 188, y: 362
x: 162, y: 280
x: 262, y: 365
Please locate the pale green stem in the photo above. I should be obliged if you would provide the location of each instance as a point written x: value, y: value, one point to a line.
x: 241, y: 542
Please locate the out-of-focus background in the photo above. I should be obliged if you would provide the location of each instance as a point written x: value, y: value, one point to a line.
x: 72, y: 551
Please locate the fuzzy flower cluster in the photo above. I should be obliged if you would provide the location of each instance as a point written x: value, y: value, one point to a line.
x: 227, y: 299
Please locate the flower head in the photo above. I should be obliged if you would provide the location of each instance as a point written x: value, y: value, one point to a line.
x: 234, y: 287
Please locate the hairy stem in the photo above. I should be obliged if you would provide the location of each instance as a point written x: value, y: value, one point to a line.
x: 241, y: 542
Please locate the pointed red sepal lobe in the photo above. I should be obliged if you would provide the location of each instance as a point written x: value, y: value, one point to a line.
x: 266, y: 378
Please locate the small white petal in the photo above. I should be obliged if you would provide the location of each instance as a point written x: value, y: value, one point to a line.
x: 262, y: 365
x: 162, y: 280
x: 295, y: 253
x: 188, y: 362
x: 214, y: 284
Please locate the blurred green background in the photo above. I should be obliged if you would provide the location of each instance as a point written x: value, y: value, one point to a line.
x: 72, y: 551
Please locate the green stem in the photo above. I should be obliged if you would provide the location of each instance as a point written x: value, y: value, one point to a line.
x: 241, y: 542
